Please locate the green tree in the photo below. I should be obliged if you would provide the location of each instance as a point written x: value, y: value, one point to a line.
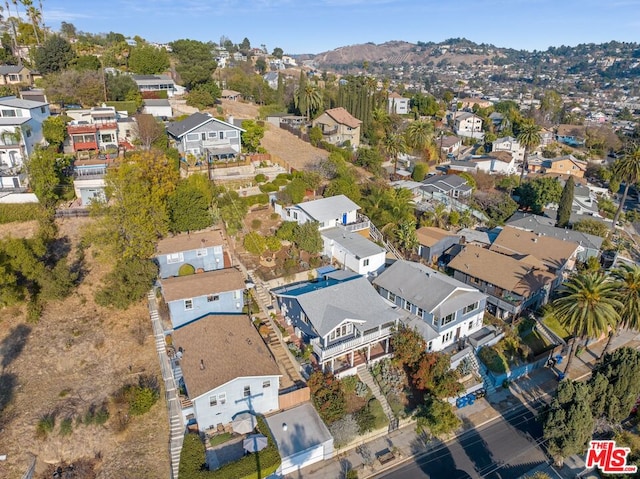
x: 120, y: 87
x: 87, y: 62
x: 420, y: 171
x: 315, y: 135
x: 538, y: 193
x: 568, y: 424
x: 328, y: 396
x: 406, y: 235
x: 437, y: 417
x: 200, y: 98
x: 433, y: 374
x: 146, y: 59
x: 408, y: 347
x: 627, y: 280
x: 419, y: 134
x: 55, y: 55
x: 565, y: 204
x: 529, y: 138
x: 307, y: 237
x: 293, y: 192
x: 128, y: 282
x: 73, y: 87
x: 232, y: 211
x: 252, y: 136
x: 308, y: 99
x: 591, y: 226
x: 627, y: 169
x: 394, y: 145
x: 191, y: 205
x: 587, y: 306
x: 277, y: 52
x: 254, y: 243
x: 54, y: 130
x: 46, y: 176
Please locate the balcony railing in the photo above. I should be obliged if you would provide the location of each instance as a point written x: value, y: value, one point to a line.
x: 330, y: 131
x: 362, y: 223
x: 348, y: 345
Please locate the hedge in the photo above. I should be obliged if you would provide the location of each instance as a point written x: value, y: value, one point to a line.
x: 19, y: 212
x: 259, y: 199
x: 192, y: 459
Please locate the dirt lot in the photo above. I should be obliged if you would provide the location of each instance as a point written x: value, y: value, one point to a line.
x: 75, y: 356
x: 299, y: 154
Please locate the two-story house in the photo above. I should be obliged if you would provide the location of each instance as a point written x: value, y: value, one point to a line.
x: 155, y: 83
x: 223, y: 368
x: 468, y: 125
x: 588, y: 245
x: 20, y: 129
x: 558, y: 256
x: 449, y: 145
x: 203, y: 250
x: 339, y: 127
x: 342, y: 317
x: 96, y: 129
x: 433, y: 242
x: 398, y: 104
x: 88, y: 179
x: 352, y: 250
x: 443, y: 309
x: 565, y: 165
x: 512, y: 284
x: 206, y: 138
x: 453, y: 186
x: 511, y: 145
x: 195, y: 296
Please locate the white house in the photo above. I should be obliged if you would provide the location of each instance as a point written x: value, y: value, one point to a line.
x: 352, y: 250
x: 328, y: 212
x: 496, y: 162
x: 468, y: 125
x: 224, y: 367
x: 158, y: 108
x: 20, y: 129
x: 510, y: 144
x: 442, y: 309
x: 398, y: 104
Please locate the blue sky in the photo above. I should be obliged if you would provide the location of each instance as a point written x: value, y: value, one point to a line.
x: 314, y: 26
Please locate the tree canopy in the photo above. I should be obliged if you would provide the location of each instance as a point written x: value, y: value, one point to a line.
x: 146, y: 59
x: 55, y: 55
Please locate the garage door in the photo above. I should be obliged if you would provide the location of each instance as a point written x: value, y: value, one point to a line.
x: 302, y: 459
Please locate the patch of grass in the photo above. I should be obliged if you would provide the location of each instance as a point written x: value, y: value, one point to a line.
x: 46, y: 423
x: 66, y: 426
x: 381, y: 419
x: 220, y: 438
x: 64, y: 393
x: 553, y: 324
x: 533, y: 339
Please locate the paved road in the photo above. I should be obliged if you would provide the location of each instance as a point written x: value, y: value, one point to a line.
x: 504, y: 449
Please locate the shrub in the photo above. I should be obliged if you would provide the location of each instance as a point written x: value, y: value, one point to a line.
x: 273, y: 243
x: 284, y: 176
x: 494, y: 360
x: 66, y: 426
x: 128, y: 283
x: 256, y: 224
x: 268, y: 188
x: 287, y: 230
x: 139, y: 397
x: 260, y: 199
x: 186, y: 270
x: 365, y: 419
x: 344, y: 430
x: 97, y: 415
x: 274, y: 216
x: 278, y: 182
x: 260, y: 178
x: 46, y: 423
x: 255, y: 243
x: 19, y: 212
x: 192, y: 461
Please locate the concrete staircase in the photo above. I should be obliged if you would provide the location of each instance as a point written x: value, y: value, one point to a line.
x: 366, y: 377
x: 489, y: 386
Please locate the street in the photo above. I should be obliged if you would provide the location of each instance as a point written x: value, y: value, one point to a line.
x: 504, y: 449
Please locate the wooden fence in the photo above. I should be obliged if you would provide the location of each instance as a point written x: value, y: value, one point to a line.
x: 294, y: 398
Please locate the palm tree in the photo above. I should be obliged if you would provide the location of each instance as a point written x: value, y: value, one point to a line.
x: 627, y: 281
x: 406, y: 236
x: 587, y: 307
x: 529, y: 137
x: 419, y: 134
x: 626, y: 169
x: 401, y: 204
x: 308, y: 98
x: 394, y: 145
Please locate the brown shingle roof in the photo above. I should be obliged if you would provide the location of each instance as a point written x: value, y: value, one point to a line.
x: 501, y: 270
x: 551, y: 251
x: 343, y: 117
x: 190, y: 241
x: 228, y: 346
x: 430, y: 235
x: 211, y: 282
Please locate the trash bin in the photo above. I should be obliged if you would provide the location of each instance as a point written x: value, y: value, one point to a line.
x: 558, y: 359
x: 560, y: 376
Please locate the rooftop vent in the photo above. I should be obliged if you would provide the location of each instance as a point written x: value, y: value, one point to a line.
x: 202, y: 364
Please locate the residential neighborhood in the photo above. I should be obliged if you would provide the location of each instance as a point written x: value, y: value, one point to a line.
x: 223, y: 260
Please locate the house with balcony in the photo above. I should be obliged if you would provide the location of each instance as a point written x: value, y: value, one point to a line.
x: 155, y: 84
x: 327, y: 212
x: 88, y: 179
x: 352, y: 250
x: 510, y: 145
x: 339, y: 127
x: 189, y: 298
x: 342, y: 317
x: 96, y: 130
x: 442, y: 309
x: 468, y: 125
x: 511, y: 284
x: 205, y: 138
x: 557, y: 255
x: 398, y: 104
x: 202, y: 250
x: 222, y: 368
x: 20, y: 129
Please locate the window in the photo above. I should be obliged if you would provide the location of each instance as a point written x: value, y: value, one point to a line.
x: 340, y: 332
x: 8, y: 113
x: 447, y: 319
x: 188, y: 304
x: 447, y: 337
x: 222, y: 135
x: 28, y: 132
x: 193, y: 137
x: 43, y: 109
x: 471, y: 307
x: 203, y: 136
x: 107, y: 138
x: 175, y: 258
x: 408, y: 305
x: 222, y: 398
x: 419, y: 312
x: 213, y: 401
x: 236, y: 294
x: 213, y: 134
x: 365, y: 262
x: 14, y: 77
x: 201, y: 252
x: 247, y: 391
x: 295, y: 215
x: 470, y: 324
x: 232, y: 134
x: 266, y: 384
x: 392, y: 297
x: 429, y: 346
x: 212, y: 297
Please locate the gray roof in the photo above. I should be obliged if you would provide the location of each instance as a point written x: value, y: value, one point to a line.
x: 475, y: 236
x: 445, y: 183
x: 546, y: 227
x: 13, y: 120
x: 20, y: 103
x: 6, y: 69
x: 425, y: 329
x: 151, y: 79
x: 329, y: 208
x: 181, y: 128
x: 426, y: 288
x: 327, y: 307
x: 157, y: 102
x: 355, y: 243
x: 304, y: 430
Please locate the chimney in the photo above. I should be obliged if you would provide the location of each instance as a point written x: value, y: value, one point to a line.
x: 202, y: 364
x: 230, y: 119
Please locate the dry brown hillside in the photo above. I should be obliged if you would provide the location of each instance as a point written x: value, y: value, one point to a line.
x: 76, y: 356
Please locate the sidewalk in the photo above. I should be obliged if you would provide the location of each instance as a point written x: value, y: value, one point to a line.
x: 540, y: 384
